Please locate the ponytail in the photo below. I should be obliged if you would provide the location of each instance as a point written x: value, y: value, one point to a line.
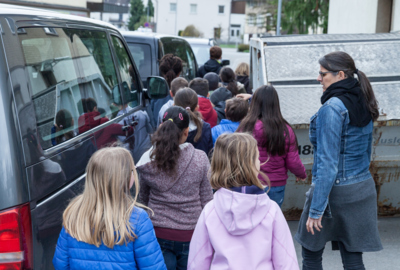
x: 369, y: 95
x: 166, y: 149
x: 166, y: 139
x: 187, y: 98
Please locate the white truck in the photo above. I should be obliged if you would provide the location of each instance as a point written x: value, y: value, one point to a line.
x: 290, y: 63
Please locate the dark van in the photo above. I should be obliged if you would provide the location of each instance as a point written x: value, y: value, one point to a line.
x: 147, y: 50
x: 68, y: 86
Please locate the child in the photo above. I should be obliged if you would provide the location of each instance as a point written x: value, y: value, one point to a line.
x: 228, y: 79
x: 242, y: 75
x: 104, y: 228
x: 174, y: 183
x: 236, y: 110
x: 176, y: 84
x: 241, y: 228
x: 276, y: 141
x: 200, y: 86
x: 218, y: 98
x: 199, y: 131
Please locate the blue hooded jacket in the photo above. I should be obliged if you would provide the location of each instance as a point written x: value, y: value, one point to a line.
x: 143, y: 253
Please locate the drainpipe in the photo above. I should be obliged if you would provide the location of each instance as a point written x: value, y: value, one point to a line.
x: 278, y: 25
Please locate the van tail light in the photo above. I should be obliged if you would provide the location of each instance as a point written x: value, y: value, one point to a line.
x: 16, y: 238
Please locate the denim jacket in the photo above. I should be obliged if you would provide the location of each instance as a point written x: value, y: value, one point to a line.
x: 342, y: 152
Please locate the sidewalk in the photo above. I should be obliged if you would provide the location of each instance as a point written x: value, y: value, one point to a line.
x: 387, y: 259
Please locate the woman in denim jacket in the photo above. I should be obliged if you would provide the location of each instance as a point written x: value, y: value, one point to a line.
x: 341, y: 203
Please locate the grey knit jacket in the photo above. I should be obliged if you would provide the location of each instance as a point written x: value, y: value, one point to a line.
x: 177, y: 201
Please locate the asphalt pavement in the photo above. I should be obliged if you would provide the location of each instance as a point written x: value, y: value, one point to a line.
x: 386, y: 259
x: 235, y: 57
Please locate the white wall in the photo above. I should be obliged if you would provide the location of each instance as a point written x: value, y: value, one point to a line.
x: 352, y: 16
x: 396, y: 16
x: 205, y: 19
x: 238, y: 19
x: 74, y: 3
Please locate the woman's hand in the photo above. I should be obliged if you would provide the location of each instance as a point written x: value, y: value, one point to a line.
x: 300, y: 179
x: 314, y: 223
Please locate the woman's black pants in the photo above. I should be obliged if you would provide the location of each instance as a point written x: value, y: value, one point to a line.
x: 312, y: 260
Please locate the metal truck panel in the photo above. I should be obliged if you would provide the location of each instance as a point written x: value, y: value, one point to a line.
x: 300, y: 102
x: 376, y: 59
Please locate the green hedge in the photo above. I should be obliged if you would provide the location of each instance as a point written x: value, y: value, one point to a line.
x: 243, y: 47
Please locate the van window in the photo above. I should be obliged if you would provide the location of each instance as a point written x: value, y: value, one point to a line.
x: 141, y: 54
x: 71, y: 78
x: 130, y: 87
x: 180, y: 48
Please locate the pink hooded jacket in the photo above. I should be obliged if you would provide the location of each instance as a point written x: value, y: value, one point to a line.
x: 276, y: 167
x: 242, y: 231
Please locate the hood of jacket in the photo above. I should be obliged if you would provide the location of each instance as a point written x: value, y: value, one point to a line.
x: 212, y: 65
x: 241, y: 210
x: 207, y: 111
x: 150, y: 170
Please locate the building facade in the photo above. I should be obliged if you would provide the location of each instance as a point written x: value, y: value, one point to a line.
x: 211, y: 17
x: 364, y: 16
x: 71, y: 7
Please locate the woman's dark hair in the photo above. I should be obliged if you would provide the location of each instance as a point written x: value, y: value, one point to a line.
x: 187, y: 98
x: 166, y: 139
x: 341, y: 61
x: 170, y: 67
x: 228, y: 76
x: 64, y: 121
x: 264, y: 106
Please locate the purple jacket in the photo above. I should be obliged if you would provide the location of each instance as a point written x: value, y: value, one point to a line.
x: 242, y: 231
x: 276, y: 167
x: 176, y: 200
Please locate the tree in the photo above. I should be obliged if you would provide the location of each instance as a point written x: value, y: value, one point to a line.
x: 191, y: 31
x: 299, y: 15
x: 136, y: 11
x: 150, y: 6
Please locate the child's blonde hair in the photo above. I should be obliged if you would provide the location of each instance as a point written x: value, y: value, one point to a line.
x: 101, y: 213
x: 234, y: 162
x: 242, y: 69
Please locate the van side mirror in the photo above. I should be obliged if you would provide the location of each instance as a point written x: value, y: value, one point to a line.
x: 157, y: 87
x: 225, y: 62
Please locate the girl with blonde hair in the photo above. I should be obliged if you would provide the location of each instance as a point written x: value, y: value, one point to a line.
x: 104, y: 227
x: 242, y: 75
x: 241, y: 228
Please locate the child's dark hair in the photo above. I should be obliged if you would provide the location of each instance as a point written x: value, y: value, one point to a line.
x: 200, y: 86
x: 88, y: 104
x: 187, y: 98
x: 166, y: 139
x: 170, y: 67
x: 228, y: 76
x: 265, y: 107
x: 64, y: 121
x: 236, y: 109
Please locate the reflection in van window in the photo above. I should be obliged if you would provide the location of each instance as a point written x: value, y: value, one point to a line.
x: 66, y: 68
x: 142, y: 57
x: 179, y: 48
x: 129, y: 88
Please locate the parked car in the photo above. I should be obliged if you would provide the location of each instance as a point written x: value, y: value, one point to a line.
x: 201, y: 48
x: 295, y: 80
x: 147, y: 50
x: 52, y: 67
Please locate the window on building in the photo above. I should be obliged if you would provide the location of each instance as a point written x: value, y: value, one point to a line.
x: 172, y: 7
x: 237, y: 32
x: 232, y: 33
x: 252, y: 19
x: 193, y: 8
x: 221, y: 9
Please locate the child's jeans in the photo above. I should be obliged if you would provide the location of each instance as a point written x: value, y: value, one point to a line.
x: 276, y: 194
x: 175, y: 253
